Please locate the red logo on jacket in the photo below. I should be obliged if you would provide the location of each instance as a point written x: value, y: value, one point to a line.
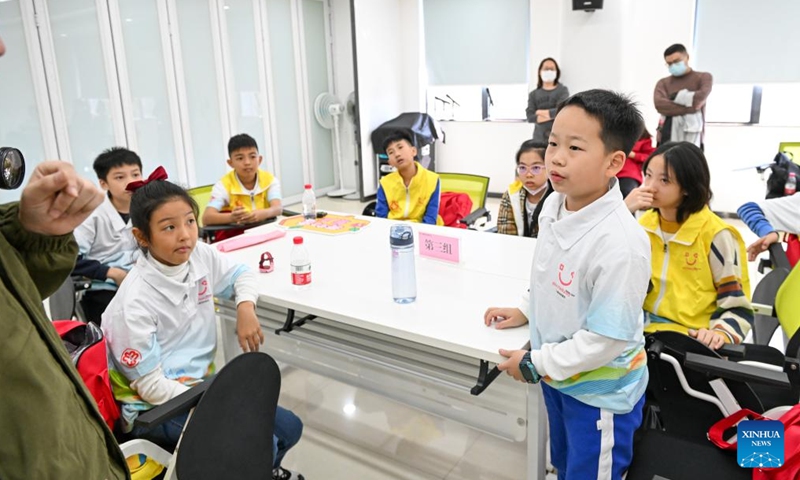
x: 130, y: 357
x: 571, y: 276
x: 562, y: 289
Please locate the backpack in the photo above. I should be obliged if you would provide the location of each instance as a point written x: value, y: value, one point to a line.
x: 87, y: 348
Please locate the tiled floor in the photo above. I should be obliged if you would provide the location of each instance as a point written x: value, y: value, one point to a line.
x: 351, y: 433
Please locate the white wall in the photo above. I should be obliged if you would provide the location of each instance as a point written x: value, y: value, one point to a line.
x: 389, y: 60
x: 729, y: 148
x: 482, y: 148
x: 344, y: 83
x: 620, y: 47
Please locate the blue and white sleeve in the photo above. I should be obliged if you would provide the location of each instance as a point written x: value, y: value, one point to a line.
x: 274, y: 192
x: 752, y: 215
x: 231, y: 279
x: 617, y: 312
x: 381, y: 205
x: 432, y: 211
x: 783, y: 213
x: 219, y: 197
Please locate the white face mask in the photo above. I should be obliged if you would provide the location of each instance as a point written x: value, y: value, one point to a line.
x: 548, y: 75
x: 536, y: 191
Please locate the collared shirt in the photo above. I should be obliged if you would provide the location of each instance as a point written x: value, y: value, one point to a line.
x: 159, y: 321
x: 590, y: 272
x: 106, y: 238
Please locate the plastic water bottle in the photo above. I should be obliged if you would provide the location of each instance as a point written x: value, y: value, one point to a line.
x: 404, y: 278
x: 309, y: 203
x: 300, y: 263
x: 791, y: 184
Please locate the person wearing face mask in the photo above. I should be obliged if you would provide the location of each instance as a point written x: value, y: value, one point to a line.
x: 542, y: 102
x: 680, y: 98
x: 522, y: 202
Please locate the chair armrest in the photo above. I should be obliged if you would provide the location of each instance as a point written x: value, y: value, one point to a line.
x: 81, y: 283
x: 778, y: 258
x: 733, y: 352
x: 753, y: 353
x: 178, y: 405
x: 474, y: 216
x: 734, y: 371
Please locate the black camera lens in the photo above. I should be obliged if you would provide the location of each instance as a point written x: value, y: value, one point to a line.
x: 12, y: 164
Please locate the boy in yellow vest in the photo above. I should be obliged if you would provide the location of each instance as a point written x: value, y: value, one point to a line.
x: 245, y: 195
x: 411, y: 192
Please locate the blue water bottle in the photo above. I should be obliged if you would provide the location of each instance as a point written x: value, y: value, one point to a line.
x: 404, y: 278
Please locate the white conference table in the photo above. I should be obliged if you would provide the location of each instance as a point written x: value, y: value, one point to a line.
x: 427, y: 354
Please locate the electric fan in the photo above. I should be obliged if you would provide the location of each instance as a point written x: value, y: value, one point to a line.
x: 327, y: 110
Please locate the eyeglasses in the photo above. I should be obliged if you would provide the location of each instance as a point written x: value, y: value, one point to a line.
x: 534, y: 169
x: 267, y: 263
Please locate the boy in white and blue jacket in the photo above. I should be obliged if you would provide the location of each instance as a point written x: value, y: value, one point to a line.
x: 589, y: 279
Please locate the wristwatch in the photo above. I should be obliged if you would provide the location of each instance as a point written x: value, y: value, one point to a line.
x: 528, y: 370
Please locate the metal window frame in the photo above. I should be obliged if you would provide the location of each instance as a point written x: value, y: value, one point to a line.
x: 30, y: 25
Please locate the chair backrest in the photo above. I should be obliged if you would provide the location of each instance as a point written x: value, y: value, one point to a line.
x: 787, y: 308
x: 476, y: 186
x: 793, y: 148
x: 62, y: 302
x: 680, y: 413
x: 229, y: 435
x: 201, y: 195
x: 765, y: 292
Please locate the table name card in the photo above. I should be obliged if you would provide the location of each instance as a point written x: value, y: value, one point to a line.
x: 440, y: 247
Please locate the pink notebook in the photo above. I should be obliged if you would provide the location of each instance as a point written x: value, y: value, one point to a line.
x: 244, y: 241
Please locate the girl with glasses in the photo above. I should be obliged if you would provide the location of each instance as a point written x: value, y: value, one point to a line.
x: 522, y: 202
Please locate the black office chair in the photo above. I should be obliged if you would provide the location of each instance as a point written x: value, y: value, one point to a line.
x: 681, y: 374
x: 229, y: 434
x: 65, y: 302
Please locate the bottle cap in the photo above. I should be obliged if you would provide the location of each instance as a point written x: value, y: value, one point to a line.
x: 401, y: 235
x: 298, y: 240
x: 308, y: 186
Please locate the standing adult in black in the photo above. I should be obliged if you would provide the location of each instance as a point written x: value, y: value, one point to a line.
x: 543, y: 101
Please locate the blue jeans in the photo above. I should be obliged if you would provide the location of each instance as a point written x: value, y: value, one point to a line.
x: 288, y: 430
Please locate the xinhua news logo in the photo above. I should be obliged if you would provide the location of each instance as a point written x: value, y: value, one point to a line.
x: 760, y: 444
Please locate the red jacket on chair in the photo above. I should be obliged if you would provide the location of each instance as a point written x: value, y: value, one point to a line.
x: 633, y: 165
x: 453, y: 207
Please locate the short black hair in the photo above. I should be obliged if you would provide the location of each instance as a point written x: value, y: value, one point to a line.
x: 539, y: 72
x: 621, y: 123
x: 146, y: 199
x: 396, y: 136
x: 242, y: 140
x: 531, y: 146
x: 674, y: 48
x: 691, y: 173
x: 112, y: 158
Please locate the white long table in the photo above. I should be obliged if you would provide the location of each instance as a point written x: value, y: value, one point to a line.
x: 428, y: 354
